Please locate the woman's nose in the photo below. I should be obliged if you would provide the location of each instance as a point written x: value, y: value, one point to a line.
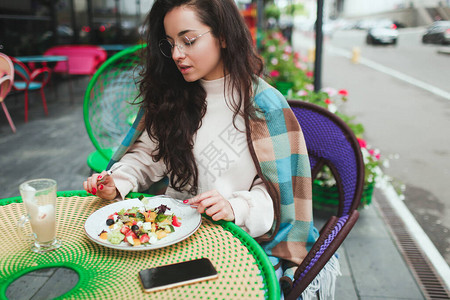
x: 177, y: 53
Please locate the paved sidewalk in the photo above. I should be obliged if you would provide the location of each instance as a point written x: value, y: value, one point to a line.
x: 57, y: 146
x: 372, y: 265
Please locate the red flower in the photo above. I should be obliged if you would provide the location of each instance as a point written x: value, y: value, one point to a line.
x: 343, y: 93
x: 274, y: 73
x: 310, y: 74
x: 362, y: 143
x: 328, y: 101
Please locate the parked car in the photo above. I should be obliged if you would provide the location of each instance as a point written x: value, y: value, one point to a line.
x: 382, y: 35
x: 437, y: 33
x: 382, y: 31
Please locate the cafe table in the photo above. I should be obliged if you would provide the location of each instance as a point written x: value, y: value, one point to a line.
x: 42, y: 58
x: 48, y: 59
x: 245, y: 271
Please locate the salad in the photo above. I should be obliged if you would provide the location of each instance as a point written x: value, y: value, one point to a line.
x: 140, y: 225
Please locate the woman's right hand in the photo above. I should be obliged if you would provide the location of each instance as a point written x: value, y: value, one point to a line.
x: 105, y: 190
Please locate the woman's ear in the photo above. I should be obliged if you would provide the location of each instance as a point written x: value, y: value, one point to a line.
x: 223, y: 43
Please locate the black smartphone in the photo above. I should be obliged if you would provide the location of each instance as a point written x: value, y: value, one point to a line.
x: 169, y: 276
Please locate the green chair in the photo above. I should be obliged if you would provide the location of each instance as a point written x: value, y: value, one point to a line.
x: 108, y: 109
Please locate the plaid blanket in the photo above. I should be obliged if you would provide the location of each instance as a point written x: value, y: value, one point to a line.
x: 281, y: 153
x: 277, y: 146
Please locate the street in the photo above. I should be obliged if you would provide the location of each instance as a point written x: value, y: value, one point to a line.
x: 401, y: 95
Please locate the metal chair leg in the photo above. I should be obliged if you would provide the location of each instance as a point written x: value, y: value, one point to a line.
x: 26, y: 106
x: 44, y: 102
x: 11, y: 123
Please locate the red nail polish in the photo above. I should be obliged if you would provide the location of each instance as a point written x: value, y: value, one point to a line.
x: 99, y: 177
x: 185, y: 201
x: 94, y: 191
x: 100, y: 187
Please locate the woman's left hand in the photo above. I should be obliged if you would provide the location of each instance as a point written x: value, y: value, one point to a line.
x: 213, y: 204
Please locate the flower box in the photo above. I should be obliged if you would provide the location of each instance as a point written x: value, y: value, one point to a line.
x: 327, y: 197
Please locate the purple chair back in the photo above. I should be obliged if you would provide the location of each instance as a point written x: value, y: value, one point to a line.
x: 330, y: 142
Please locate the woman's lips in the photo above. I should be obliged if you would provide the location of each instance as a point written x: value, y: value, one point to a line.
x: 184, y: 69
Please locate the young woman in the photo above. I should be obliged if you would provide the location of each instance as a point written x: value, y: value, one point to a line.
x: 227, y: 141
x: 196, y: 88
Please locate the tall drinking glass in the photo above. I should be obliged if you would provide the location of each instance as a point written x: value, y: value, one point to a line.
x: 39, y: 198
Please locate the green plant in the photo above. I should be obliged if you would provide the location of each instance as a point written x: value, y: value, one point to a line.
x: 271, y: 10
x: 282, y: 63
x: 295, y: 9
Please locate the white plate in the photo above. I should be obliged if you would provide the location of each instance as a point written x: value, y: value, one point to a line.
x: 190, y: 221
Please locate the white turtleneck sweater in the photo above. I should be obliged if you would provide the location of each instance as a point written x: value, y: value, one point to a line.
x: 223, y: 160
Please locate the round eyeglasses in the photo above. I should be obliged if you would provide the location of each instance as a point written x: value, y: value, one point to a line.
x: 183, y: 43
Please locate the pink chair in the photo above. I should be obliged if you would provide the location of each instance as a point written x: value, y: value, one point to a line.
x: 6, y: 81
x: 26, y: 81
x: 82, y: 59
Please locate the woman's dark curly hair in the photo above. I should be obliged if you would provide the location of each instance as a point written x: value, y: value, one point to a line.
x: 174, y: 108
